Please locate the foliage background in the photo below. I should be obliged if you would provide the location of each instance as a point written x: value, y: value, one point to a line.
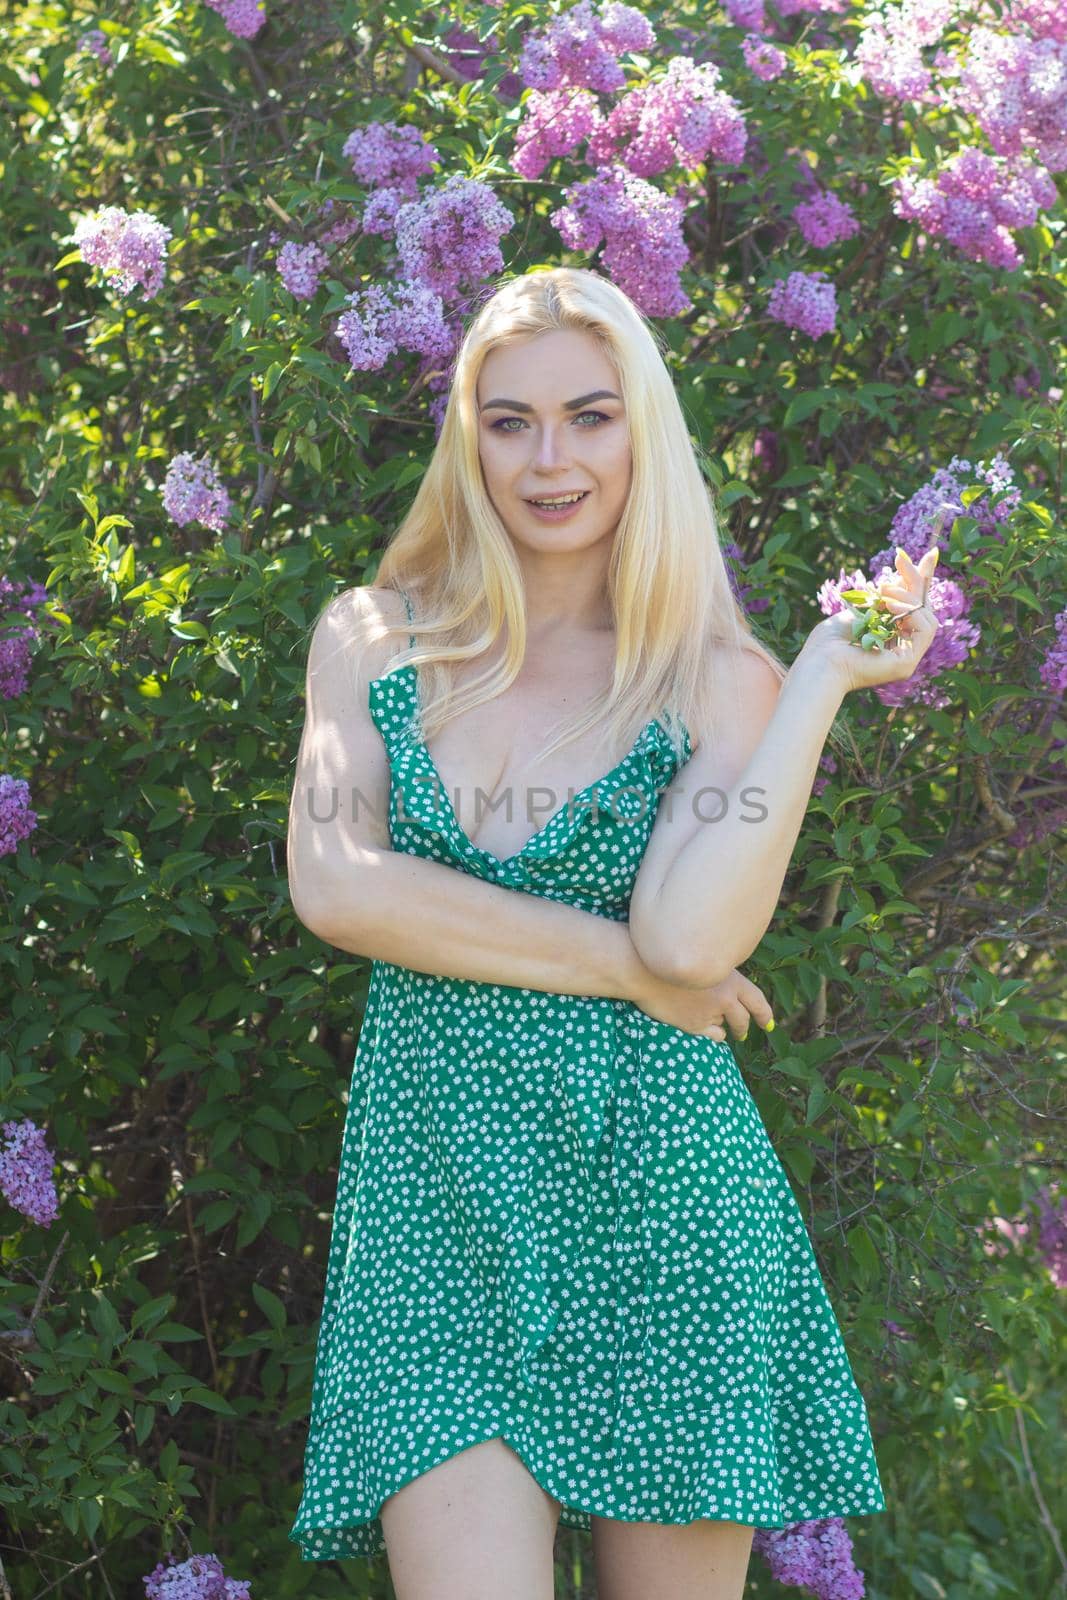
x: 187, y: 1045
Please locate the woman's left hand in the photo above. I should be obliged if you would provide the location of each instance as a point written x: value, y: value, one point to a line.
x: 907, y: 595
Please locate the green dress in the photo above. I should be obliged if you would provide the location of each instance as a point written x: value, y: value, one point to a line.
x: 562, y: 1223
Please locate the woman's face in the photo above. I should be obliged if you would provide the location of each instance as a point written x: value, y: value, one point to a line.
x: 550, y: 420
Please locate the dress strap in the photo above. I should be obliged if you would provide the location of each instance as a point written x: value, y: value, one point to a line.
x: 411, y: 614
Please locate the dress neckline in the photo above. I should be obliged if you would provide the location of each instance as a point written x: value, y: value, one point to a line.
x: 568, y: 806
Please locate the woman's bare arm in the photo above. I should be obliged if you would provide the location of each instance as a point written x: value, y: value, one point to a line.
x: 707, y: 889
x: 351, y: 889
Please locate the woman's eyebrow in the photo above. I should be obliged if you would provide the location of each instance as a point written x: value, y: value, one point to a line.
x: 568, y: 405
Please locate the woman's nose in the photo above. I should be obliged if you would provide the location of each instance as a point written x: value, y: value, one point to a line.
x: 551, y: 447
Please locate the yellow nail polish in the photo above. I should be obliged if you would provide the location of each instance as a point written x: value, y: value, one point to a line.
x: 770, y: 1026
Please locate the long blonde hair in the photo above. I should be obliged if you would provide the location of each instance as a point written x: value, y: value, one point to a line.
x: 667, y: 579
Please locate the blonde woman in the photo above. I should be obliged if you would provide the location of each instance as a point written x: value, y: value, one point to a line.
x: 568, y: 1279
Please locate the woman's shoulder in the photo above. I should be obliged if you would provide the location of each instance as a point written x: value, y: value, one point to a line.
x: 743, y: 690
x: 357, y: 627
x: 364, y: 608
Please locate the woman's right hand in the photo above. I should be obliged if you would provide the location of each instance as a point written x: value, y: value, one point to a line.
x: 735, y: 1001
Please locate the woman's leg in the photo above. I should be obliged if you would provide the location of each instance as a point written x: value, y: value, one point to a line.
x: 477, y: 1527
x: 702, y: 1560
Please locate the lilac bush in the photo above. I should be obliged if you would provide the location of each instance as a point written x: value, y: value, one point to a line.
x: 845, y: 224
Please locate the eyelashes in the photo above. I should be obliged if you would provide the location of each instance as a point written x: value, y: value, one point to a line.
x: 498, y: 427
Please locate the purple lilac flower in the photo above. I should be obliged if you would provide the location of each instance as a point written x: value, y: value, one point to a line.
x: 199, y: 1578
x: 829, y: 766
x: 380, y: 211
x: 765, y: 451
x: 742, y: 591
x: 895, y: 1329
x: 16, y: 653
x: 468, y: 54
x: 812, y: 1555
x: 641, y: 231
x: 1046, y: 19
x: 927, y: 517
x: 192, y: 492
x: 747, y: 14
x: 390, y: 155
x: 825, y: 220
x: 889, y: 51
x: 763, y: 59
x: 974, y: 200
x: 1052, y: 1234
x: 805, y: 300
x: 579, y: 48
x: 18, y: 637
x: 555, y: 122
x: 386, y: 317
x: 129, y: 245
x: 17, y: 821
x: 26, y: 1164
x: 1016, y: 88
x: 679, y: 119
x: 243, y: 18
x: 952, y: 643
x: 96, y: 41
x: 1054, y: 667
x: 300, y: 267
x: 451, y: 236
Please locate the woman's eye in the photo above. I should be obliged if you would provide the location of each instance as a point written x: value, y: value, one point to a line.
x: 500, y: 427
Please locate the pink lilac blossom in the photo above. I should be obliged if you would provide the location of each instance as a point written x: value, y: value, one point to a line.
x: 1046, y: 19
x: 17, y: 821
x: 1047, y: 1231
x: 1016, y: 88
x: 199, y: 1578
x: 243, y: 18
x: 390, y: 155
x: 192, y: 492
x: 825, y: 220
x: 804, y: 300
x: 384, y: 318
x: 763, y: 59
x: 96, y: 41
x: 451, y: 236
x: 680, y: 119
x: 747, y: 14
x: 300, y: 266
x: 814, y: 1555
x: 26, y: 1180
x: 130, y: 246
x: 889, y: 50
x: 579, y: 48
x: 792, y: 8
x: 555, y: 122
x: 641, y: 232
x: 974, y: 200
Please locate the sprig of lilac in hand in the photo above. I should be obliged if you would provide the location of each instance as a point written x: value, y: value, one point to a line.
x: 885, y: 640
